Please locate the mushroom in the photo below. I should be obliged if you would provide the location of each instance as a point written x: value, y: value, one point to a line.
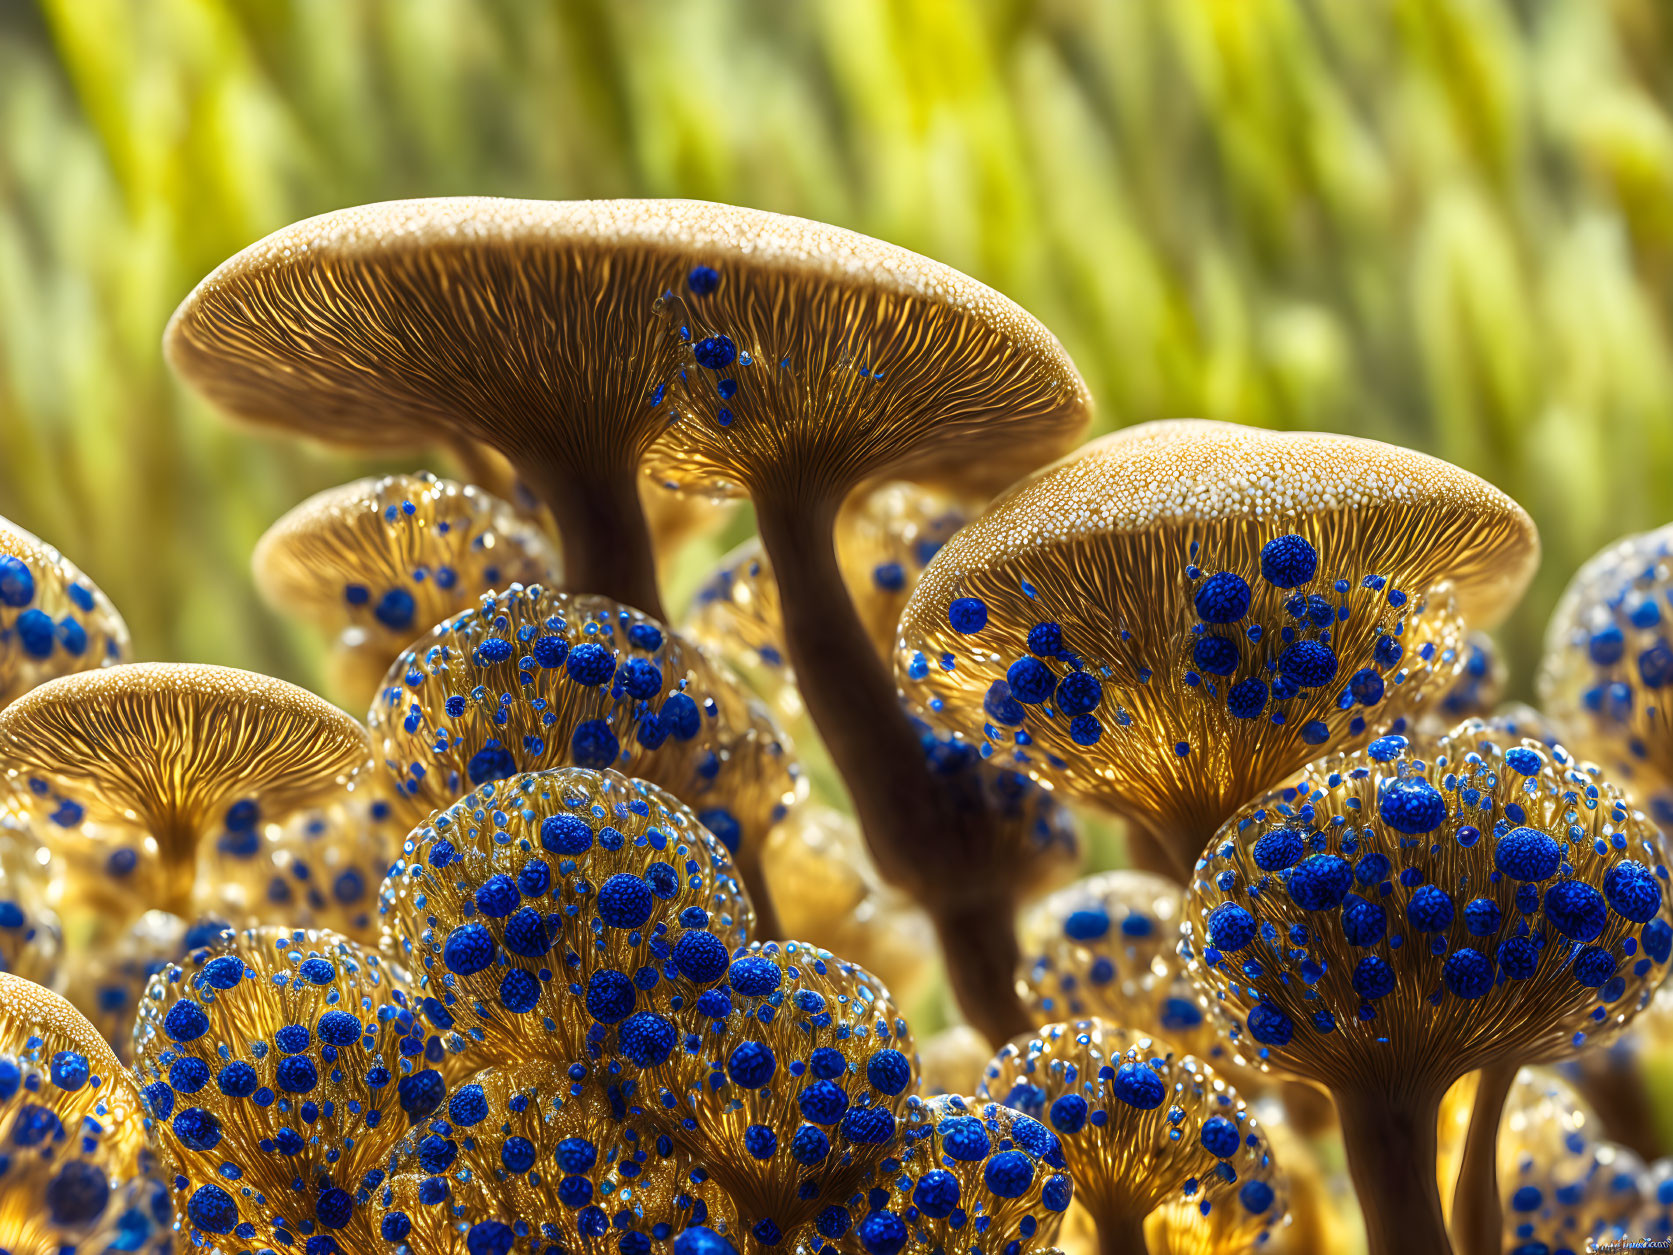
x: 952, y: 1061
x: 533, y: 679
x: 30, y: 934
x: 541, y: 1149
x: 378, y: 561
x: 1176, y: 616
x: 831, y: 895
x: 607, y: 881
x: 279, y: 1070
x: 787, y: 1083
x: 1479, y: 688
x: 527, y: 326
x: 1142, y: 1127
x: 53, y: 620
x: 972, y: 1175
x: 169, y: 752
x: 1606, y: 677
x: 885, y: 536
x: 77, y: 1174
x: 1655, y: 1216
x: 818, y: 361
x: 1396, y: 917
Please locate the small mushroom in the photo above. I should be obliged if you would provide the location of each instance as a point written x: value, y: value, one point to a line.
x: 1142, y: 1128
x: 607, y: 881
x: 952, y: 1061
x: 533, y: 679
x: 1396, y: 917
x: 377, y: 562
x: 788, y: 1083
x: 168, y: 753
x: 1173, y: 618
x: 279, y: 1070
x: 830, y: 894
x: 541, y: 1149
x: 1655, y: 1217
x: 818, y: 361
x: 76, y: 1172
x: 53, y: 620
x: 971, y: 1175
x: 1606, y: 678
x: 1479, y: 688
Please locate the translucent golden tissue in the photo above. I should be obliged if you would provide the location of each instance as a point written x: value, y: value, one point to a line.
x: 53, y: 620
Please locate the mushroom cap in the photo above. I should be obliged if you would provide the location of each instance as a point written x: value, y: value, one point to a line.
x: 504, y: 1120
x: 169, y: 747
x: 1222, y: 604
x: 827, y: 890
x: 533, y: 679
x: 312, y: 1018
x: 1526, y: 894
x: 967, y: 1161
x: 1168, y: 1122
x: 1183, y: 1227
x: 1606, y: 677
x: 520, y: 324
x: 71, y: 1122
x: 819, y: 359
x: 953, y: 1060
x: 1107, y: 947
x: 1655, y: 1216
x: 53, y: 620
x: 317, y: 868
x: 30, y: 933
x: 1479, y: 688
x: 830, y: 1079
x: 607, y: 879
x: 393, y: 556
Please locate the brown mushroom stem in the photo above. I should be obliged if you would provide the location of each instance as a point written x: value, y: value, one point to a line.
x: 767, y: 925
x: 920, y: 840
x: 1477, y: 1222
x: 1613, y: 1082
x: 1150, y: 853
x: 177, y: 857
x: 602, y: 530
x: 1309, y: 1108
x: 1390, y: 1142
x: 1121, y: 1235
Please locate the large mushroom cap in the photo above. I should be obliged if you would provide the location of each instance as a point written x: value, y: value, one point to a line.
x: 1171, y: 618
x: 1407, y: 913
x: 170, y: 748
x: 820, y: 358
x: 53, y: 620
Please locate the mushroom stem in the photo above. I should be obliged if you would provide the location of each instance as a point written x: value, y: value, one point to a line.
x: 1477, y: 1223
x: 602, y: 530
x: 1309, y: 1108
x: 1390, y: 1143
x: 1121, y: 1235
x: 1149, y: 853
x: 1613, y: 1082
x: 919, y: 838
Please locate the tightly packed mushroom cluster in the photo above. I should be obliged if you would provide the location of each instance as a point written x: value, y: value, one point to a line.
x: 550, y: 950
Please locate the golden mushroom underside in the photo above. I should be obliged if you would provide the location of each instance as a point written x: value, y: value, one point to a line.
x: 414, y: 549
x: 1318, y: 984
x: 53, y: 620
x: 569, y: 1132
x: 170, y: 745
x: 1122, y: 544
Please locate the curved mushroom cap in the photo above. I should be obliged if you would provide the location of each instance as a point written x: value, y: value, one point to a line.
x: 1655, y: 1216
x: 317, y: 868
x: 53, y: 620
x: 1607, y: 674
x: 312, y: 1019
x: 74, y: 1132
x: 969, y: 1162
x: 1421, y: 909
x: 1480, y: 685
x: 594, y: 1172
x: 828, y: 891
x: 1175, y: 616
x: 608, y: 880
x: 952, y: 1061
x: 1559, y: 1182
x: 106, y: 978
x: 827, y: 1081
x: 30, y: 933
x: 884, y: 538
x: 817, y: 359
x: 388, y: 558
x: 174, y: 749
x: 1108, y: 946
x: 533, y: 679
x: 1142, y: 1127
x: 1223, y: 1216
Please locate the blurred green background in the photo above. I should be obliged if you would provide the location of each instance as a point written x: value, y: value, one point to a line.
x: 1447, y: 223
